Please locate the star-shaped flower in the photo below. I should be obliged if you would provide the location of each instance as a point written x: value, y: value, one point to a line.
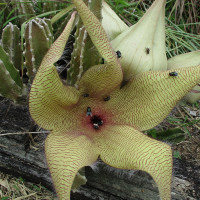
x: 143, y: 45
x: 104, y: 116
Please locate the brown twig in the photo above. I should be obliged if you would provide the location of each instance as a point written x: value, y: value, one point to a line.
x: 22, y: 133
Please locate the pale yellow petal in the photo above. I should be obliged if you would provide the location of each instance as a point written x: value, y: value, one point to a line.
x: 186, y: 60
x: 49, y: 98
x: 149, y: 97
x: 111, y: 23
x: 143, y: 45
x: 65, y: 155
x: 126, y: 148
x: 100, y: 80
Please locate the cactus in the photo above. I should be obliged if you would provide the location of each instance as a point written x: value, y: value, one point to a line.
x: 4, y: 57
x: 10, y: 83
x: 24, y: 9
x: 38, y: 38
x: 8, y: 87
x: 11, y: 44
x: 48, y: 6
x: 84, y: 54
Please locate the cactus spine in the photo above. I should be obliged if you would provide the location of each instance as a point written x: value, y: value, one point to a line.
x: 24, y: 9
x: 11, y: 44
x: 38, y: 39
x: 11, y: 85
x: 8, y: 87
x: 84, y: 53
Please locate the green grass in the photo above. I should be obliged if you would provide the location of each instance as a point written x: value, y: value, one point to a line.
x: 182, y: 19
x: 182, y: 24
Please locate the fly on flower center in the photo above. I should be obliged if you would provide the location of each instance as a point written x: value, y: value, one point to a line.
x: 95, y: 120
x: 95, y: 115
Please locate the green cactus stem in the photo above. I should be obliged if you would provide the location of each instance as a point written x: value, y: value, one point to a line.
x: 11, y: 44
x: 8, y: 87
x: 14, y: 73
x: 38, y: 38
x: 76, y: 68
x: 24, y: 9
x: 84, y: 53
x: 48, y: 6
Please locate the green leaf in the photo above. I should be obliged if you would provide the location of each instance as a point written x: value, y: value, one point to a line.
x: 4, y: 198
x: 176, y: 154
x: 61, y: 14
x: 173, y: 135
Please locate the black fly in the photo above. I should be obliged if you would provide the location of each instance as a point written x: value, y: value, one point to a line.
x: 173, y: 73
x: 86, y: 95
x: 119, y: 54
x: 147, y: 50
x: 89, y: 111
x: 107, y: 98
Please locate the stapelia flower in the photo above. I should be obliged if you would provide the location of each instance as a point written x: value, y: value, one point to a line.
x: 103, y: 116
x: 143, y: 45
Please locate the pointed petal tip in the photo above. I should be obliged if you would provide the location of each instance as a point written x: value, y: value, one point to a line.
x: 111, y: 23
x: 65, y: 156
x: 126, y: 148
x: 146, y: 42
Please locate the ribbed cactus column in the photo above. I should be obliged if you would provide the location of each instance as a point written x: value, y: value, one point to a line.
x: 11, y: 44
x: 24, y: 9
x: 10, y: 83
x: 8, y: 87
x: 38, y: 38
x: 49, y: 6
x: 84, y: 53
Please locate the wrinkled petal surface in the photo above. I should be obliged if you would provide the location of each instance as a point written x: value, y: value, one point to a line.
x: 186, y: 60
x: 126, y: 148
x: 149, y: 97
x: 65, y: 155
x: 100, y: 80
x: 48, y: 96
x: 111, y: 71
x: 103, y: 118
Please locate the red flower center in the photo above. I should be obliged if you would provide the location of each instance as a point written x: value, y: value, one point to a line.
x: 96, y: 121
